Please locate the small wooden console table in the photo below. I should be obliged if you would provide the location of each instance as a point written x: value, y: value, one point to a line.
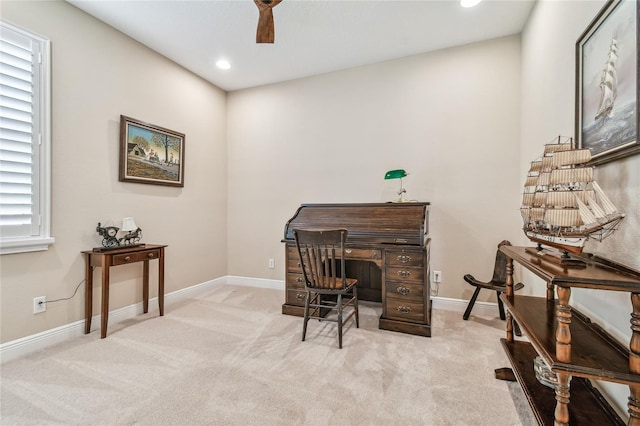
x: 121, y: 256
x: 574, y: 348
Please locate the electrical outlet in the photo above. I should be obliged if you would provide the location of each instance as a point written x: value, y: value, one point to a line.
x: 437, y: 276
x: 272, y: 263
x: 39, y: 304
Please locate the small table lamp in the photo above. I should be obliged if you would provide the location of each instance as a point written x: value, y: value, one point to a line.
x: 128, y: 224
x: 133, y: 233
x: 397, y: 174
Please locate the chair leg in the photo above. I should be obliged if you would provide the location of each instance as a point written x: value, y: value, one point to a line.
x: 500, y: 306
x: 340, y: 321
x: 471, y: 302
x: 516, y: 328
x: 306, y: 316
x: 355, y: 295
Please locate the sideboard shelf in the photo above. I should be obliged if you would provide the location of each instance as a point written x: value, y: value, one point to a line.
x: 593, y: 352
x: 592, y: 409
x: 576, y: 349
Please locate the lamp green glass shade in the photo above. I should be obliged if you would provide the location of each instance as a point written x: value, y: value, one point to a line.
x: 395, y: 174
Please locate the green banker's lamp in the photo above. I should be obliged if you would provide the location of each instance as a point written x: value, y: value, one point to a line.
x: 397, y: 174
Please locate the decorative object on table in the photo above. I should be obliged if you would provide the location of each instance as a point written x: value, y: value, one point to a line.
x: 266, y: 32
x: 562, y: 205
x: 544, y: 373
x: 397, y: 174
x: 607, y: 83
x: 133, y: 232
x: 110, y: 239
x: 150, y: 154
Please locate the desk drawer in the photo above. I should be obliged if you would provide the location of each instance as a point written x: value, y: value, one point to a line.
x: 404, y: 258
x: 296, y: 297
x: 405, y: 310
x: 295, y: 281
x: 121, y: 259
x: 401, y: 273
x: 293, y: 260
x: 405, y: 290
x: 364, y: 254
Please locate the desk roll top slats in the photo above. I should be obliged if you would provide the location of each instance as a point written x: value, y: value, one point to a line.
x: 387, y: 251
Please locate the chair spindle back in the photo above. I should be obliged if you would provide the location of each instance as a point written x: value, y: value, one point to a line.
x: 321, y: 253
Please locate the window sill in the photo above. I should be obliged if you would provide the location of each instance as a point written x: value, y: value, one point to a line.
x: 25, y: 245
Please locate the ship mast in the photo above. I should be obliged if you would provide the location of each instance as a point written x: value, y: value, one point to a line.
x: 608, y: 82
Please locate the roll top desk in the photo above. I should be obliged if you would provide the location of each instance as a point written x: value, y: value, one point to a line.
x: 387, y: 251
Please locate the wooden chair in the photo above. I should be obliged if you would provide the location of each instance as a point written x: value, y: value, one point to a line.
x: 321, y: 253
x: 497, y: 283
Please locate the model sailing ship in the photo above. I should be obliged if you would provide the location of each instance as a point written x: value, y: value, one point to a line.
x: 563, y: 206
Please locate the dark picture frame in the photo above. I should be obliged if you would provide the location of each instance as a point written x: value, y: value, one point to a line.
x: 150, y: 154
x: 607, y: 83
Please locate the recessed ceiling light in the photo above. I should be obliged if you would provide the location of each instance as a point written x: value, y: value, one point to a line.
x: 469, y: 3
x: 223, y: 64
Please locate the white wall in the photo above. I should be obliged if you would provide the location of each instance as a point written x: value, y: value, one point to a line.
x: 98, y: 74
x: 450, y: 118
x: 548, y: 99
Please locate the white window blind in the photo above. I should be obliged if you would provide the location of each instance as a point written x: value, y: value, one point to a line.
x: 24, y: 141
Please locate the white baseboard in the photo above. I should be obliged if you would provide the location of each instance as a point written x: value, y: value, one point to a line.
x: 20, y: 347
x: 29, y: 344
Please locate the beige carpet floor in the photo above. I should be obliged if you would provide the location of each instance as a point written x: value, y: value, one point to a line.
x: 229, y: 357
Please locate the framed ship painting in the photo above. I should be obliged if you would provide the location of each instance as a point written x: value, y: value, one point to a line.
x: 607, y: 83
x: 150, y: 154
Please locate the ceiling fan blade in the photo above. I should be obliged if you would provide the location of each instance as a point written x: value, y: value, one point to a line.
x: 265, y: 32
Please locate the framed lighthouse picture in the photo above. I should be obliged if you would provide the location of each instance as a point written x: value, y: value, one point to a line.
x: 607, y: 83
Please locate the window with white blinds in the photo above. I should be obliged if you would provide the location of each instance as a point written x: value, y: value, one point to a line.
x: 24, y: 141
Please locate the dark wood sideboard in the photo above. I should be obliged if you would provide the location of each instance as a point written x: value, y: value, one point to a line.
x: 387, y: 251
x: 575, y: 348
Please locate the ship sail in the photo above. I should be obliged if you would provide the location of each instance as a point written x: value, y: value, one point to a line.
x: 562, y: 204
x: 608, y: 82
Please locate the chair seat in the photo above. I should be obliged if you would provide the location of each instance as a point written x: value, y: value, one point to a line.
x: 491, y: 285
x: 349, y: 282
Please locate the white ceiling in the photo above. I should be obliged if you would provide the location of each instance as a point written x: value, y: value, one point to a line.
x: 312, y: 36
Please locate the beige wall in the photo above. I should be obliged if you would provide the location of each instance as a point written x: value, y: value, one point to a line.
x: 450, y: 118
x: 98, y: 74
x: 548, y: 98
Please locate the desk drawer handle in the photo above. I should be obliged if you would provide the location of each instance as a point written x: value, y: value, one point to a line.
x: 403, y: 258
x: 152, y: 255
x: 348, y: 251
x: 403, y: 290
x: 404, y: 309
x: 127, y: 258
x: 404, y: 274
x: 399, y: 240
x: 300, y: 296
x: 300, y: 280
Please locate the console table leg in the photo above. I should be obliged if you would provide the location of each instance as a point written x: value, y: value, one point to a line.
x: 161, y: 281
x: 145, y: 286
x: 562, y: 400
x: 105, y: 301
x: 634, y: 361
x: 88, y: 294
x: 509, y: 279
x: 563, y: 332
x: 509, y: 327
x: 563, y: 352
